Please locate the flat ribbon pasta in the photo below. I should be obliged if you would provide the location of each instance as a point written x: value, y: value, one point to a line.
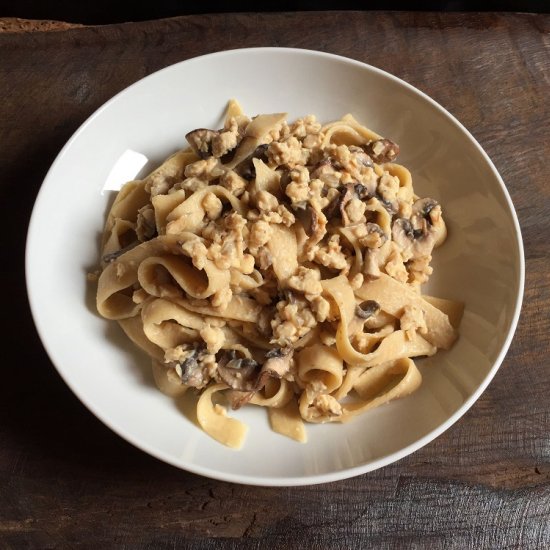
x: 240, y: 308
x: 199, y: 284
x: 393, y: 296
x: 275, y: 394
x: 189, y: 215
x: 284, y: 251
x: 266, y: 178
x: 279, y: 265
x: 321, y: 364
x: 167, y: 380
x: 171, y: 171
x: 376, y: 386
x: 396, y: 345
x: 164, y: 205
x: 114, y: 298
x: 133, y: 328
x: 128, y: 201
x: 122, y: 233
x: 382, y: 384
x: 214, y: 421
x: 255, y: 132
x: 288, y: 421
x: 168, y: 325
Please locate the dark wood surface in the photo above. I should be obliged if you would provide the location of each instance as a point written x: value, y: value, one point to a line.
x: 68, y: 481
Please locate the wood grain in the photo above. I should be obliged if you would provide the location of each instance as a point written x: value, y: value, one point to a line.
x: 16, y: 24
x: 66, y: 481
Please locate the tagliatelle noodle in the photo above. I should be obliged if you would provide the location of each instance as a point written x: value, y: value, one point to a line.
x: 278, y: 265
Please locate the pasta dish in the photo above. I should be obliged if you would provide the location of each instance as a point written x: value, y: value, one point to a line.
x: 280, y: 265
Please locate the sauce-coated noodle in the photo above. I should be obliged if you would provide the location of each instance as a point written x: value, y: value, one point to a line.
x: 278, y: 265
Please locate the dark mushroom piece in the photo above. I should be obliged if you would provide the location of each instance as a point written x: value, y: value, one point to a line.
x: 367, y: 190
x: 315, y: 169
x: 190, y: 370
x: 238, y: 373
x: 201, y: 141
x: 415, y: 242
x: 325, y: 171
x: 347, y: 192
x: 391, y: 207
x: 424, y: 208
x: 361, y: 155
x: 404, y: 226
x: 382, y: 150
x: 367, y: 309
x: 146, y: 227
x: 246, y: 168
x: 305, y: 215
x: 277, y: 364
x: 426, y: 216
x: 333, y: 207
x: 264, y: 320
x: 283, y: 182
x: 289, y: 296
x: 254, y: 134
x: 313, y: 221
x: 352, y: 191
x: 362, y: 191
x: 376, y: 236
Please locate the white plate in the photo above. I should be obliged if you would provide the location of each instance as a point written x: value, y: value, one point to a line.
x: 481, y: 263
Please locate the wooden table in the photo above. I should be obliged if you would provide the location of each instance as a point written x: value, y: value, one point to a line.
x: 67, y: 481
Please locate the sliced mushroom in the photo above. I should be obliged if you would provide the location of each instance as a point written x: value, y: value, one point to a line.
x: 413, y: 242
x: 361, y: 155
x: 264, y: 321
x: 289, y: 296
x: 316, y: 169
x: 190, y: 371
x: 305, y: 215
x: 313, y: 221
x: 346, y: 194
x: 277, y: 364
x: 426, y: 208
x: 367, y: 309
x: 382, y: 150
x: 255, y: 132
x: 146, y: 227
x: 375, y: 236
x: 363, y: 192
x: 391, y: 206
x: 426, y: 215
x: 246, y: 168
x: 326, y: 172
x: 349, y: 194
x: 201, y: 141
x: 238, y: 373
x: 333, y: 208
x: 404, y: 227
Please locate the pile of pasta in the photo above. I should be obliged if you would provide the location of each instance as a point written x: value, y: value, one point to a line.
x: 277, y: 265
